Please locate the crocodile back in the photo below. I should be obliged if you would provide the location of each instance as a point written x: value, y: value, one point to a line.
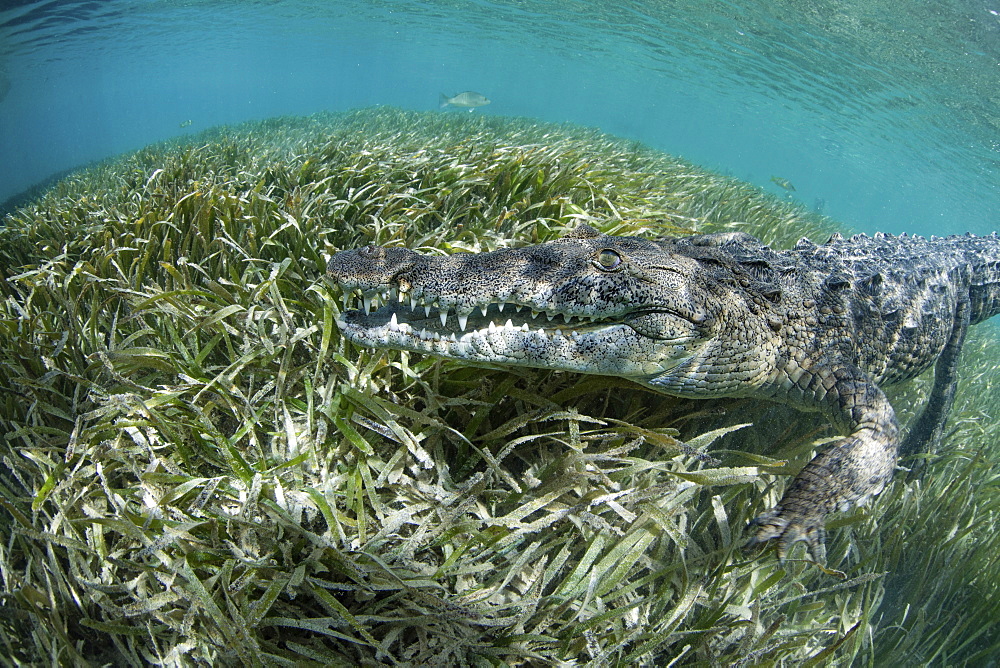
x: 893, y: 299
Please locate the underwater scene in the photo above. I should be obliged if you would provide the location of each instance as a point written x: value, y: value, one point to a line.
x: 306, y: 313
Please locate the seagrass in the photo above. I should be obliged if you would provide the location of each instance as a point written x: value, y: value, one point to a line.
x: 197, y: 469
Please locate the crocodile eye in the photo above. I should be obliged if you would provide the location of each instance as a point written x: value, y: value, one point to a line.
x: 608, y: 260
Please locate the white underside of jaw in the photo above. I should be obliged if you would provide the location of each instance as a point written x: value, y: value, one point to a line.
x: 532, y: 333
x: 611, y: 349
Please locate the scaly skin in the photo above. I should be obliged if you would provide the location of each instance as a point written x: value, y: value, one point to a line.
x: 820, y: 327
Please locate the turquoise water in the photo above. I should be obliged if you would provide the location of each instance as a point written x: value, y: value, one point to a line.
x: 884, y: 115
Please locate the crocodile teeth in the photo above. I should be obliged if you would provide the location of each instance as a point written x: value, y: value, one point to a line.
x: 372, y: 300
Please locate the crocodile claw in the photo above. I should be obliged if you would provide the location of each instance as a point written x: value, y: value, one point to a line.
x: 789, y: 528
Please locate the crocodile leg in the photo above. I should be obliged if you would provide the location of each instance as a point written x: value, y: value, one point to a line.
x: 926, y: 432
x: 709, y: 316
x: 848, y: 472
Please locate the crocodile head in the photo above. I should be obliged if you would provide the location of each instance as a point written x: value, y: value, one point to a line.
x: 587, y: 302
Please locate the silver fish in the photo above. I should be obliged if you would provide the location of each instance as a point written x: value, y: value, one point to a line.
x: 468, y: 100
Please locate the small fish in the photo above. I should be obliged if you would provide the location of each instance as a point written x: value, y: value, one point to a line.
x: 186, y: 123
x: 783, y: 183
x: 468, y: 100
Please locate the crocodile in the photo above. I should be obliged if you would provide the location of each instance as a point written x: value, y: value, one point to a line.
x: 821, y: 327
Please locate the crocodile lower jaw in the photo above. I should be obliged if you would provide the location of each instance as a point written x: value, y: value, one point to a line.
x: 570, y: 344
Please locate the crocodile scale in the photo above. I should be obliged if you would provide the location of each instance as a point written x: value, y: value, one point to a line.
x: 819, y: 326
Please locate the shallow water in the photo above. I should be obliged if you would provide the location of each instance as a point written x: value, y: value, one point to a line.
x: 884, y: 115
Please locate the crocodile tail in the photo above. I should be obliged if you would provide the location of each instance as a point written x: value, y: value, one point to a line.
x: 984, y: 290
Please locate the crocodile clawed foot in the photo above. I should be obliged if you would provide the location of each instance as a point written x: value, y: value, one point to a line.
x: 789, y: 528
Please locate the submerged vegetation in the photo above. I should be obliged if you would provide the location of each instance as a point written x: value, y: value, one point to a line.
x: 196, y: 469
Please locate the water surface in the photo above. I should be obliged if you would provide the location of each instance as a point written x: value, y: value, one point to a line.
x: 884, y: 115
